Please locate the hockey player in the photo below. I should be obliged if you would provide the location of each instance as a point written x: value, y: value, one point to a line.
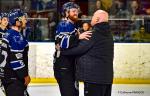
x: 3, y: 29
x: 15, y: 49
x: 3, y: 24
x: 67, y: 36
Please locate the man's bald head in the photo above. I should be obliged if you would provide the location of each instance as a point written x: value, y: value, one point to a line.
x: 99, y: 16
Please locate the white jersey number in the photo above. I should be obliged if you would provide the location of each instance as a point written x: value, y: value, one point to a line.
x: 4, y: 53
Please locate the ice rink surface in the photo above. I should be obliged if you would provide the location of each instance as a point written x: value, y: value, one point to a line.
x: 117, y: 90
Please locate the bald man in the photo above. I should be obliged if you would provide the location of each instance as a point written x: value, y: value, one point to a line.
x: 94, y: 61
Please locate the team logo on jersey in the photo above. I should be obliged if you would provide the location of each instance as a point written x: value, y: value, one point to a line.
x: 21, y: 63
x: 19, y: 55
x: 6, y: 35
x: 18, y: 39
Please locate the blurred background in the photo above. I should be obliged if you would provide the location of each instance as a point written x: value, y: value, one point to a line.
x: 129, y: 19
x: 130, y: 26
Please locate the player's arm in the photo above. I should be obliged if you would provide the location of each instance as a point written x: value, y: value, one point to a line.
x: 25, y: 57
x: 83, y: 47
x: 14, y: 57
x: 25, y: 60
x: 4, y: 52
x: 64, y: 38
x: 18, y: 63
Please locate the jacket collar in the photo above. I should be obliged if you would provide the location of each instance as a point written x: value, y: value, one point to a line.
x: 102, y: 28
x: 102, y: 25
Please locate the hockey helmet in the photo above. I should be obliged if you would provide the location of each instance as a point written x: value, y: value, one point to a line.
x: 67, y: 6
x: 3, y: 15
x: 15, y: 15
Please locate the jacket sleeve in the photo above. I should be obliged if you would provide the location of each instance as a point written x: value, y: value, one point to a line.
x: 64, y: 37
x: 82, y: 48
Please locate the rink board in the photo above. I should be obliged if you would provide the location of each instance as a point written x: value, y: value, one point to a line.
x: 131, y: 62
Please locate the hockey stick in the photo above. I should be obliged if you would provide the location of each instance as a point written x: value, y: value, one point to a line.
x: 26, y: 93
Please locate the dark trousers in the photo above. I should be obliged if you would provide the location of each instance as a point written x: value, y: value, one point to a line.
x: 66, y: 81
x: 91, y: 89
x: 14, y: 88
x: 64, y: 72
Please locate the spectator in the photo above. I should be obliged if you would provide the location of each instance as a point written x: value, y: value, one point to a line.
x: 26, y: 5
x: 106, y: 4
x: 52, y: 25
x: 98, y: 4
x: 37, y: 5
x: 103, y: 4
x: 148, y: 11
x: 85, y: 27
x: 119, y: 9
x: 51, y: 4
x: 135, y: 8
x: 145, y: 6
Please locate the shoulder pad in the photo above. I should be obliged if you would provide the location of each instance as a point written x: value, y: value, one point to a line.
x: 65, y: 26
x: 6, y: 35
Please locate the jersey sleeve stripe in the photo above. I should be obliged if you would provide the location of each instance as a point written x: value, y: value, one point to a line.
x: 15, y: 65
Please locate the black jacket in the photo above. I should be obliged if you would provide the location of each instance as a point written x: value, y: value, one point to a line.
x: 94, y: 61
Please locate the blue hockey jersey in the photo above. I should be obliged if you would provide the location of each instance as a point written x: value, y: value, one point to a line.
x: 15, y: 50
x: 66, y: 34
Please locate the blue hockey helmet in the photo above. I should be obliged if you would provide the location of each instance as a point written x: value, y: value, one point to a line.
x: 67, y: 6
x: 15, y: 15
x: 3, y: 15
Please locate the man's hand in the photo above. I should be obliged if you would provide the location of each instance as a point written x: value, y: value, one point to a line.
x: 85, y: 35
x: 27, y: 80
